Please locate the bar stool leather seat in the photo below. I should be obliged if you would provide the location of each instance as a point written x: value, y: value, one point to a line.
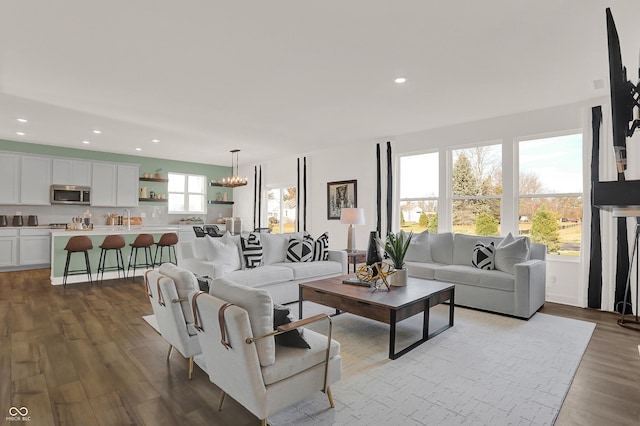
x: 142, y: 241
x: 78, y: 244
x: 111, y: 242
x: 168, y: 241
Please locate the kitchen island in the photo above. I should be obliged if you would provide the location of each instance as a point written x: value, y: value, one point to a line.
x: 60, y: 237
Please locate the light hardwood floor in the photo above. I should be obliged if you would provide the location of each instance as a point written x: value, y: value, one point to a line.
x: 84, y: 356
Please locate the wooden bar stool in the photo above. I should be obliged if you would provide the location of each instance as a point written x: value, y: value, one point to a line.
x: 111, y: 242
x: 78, y: 244
x: 168, y: 241
x: 142, y: 241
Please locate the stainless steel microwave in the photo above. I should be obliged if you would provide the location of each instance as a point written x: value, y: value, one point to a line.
x: 68, y: 194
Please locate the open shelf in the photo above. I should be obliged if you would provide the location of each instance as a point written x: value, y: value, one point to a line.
x: 157, y: 200
x: 153, y: 180
x: 221, y: 202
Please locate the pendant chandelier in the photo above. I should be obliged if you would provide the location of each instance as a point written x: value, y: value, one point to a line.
x: 234, y: 180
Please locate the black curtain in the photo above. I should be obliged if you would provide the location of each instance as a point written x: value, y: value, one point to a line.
x: 298, y: 196
x: 304, y: 199
x: 389, y: 188
x: 594, y: 293
x: 378, y: 192
x: 255, y: 197
x: 260, y: 198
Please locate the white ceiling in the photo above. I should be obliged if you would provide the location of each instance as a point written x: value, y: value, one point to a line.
x: 275, y: 77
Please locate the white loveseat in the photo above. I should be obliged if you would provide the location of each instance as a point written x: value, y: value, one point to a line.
x: 222, y: 258
x: 517, y: 288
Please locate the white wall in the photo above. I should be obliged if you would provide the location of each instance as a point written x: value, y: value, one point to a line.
x: 356, y: 160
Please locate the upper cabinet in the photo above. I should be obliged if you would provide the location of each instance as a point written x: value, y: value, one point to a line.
x: 35, y: 180
x: 114, y: 185
x: 71, y: 172
x: 9, y: 178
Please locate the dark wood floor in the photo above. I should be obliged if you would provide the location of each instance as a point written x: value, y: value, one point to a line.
x: 84, y: 356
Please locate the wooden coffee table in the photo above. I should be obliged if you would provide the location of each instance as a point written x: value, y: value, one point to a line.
x: 389, y: 307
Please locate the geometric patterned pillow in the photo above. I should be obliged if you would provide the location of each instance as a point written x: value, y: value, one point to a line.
x: 320, y: 247
x: 299, y: 250
x: 483, y: 256
x: 251, y: 250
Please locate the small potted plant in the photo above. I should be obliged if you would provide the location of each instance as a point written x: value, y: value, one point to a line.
x: 396, y: 248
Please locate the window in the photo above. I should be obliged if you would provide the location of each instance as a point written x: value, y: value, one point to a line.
x: 550, y: 194
x: 419, y: 192
x: 187, y: 193
x: 281, y: 209
x: 476, y: 189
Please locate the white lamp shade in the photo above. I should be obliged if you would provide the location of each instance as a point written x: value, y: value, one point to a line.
x: 352, y: 216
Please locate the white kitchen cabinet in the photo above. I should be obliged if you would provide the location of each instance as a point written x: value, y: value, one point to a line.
x: 104, y: 179
x: 9, y: 178
x: 35, y: 180
x: 127, y: 185
x: 8, y: 247
x: 35, y: 247
x: 71, y: 172
x: 114, y: 185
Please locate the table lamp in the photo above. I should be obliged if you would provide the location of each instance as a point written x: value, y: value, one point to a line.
x: 352, y: 216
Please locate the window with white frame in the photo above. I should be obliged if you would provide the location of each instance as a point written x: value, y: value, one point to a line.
x: 419, y: 179
x: 187, y: 193
x: 476, y: 189
x: 551, y: 192
x: 281, y: 209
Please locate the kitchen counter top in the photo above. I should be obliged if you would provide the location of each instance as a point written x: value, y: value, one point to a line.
x: 108, y: 230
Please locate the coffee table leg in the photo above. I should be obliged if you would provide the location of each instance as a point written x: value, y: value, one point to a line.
x: 425, y: 321
x: 451, y: 305
x: 392, y: 335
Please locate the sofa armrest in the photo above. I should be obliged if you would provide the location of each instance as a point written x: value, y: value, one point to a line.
x: 340, y: 256
x: 530, y: 287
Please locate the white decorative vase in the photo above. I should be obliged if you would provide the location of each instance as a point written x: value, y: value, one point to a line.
x: 399, y: 278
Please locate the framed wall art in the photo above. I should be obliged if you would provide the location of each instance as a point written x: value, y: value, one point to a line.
x: 341, y: 194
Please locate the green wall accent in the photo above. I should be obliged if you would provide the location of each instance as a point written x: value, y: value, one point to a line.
x: 147, y: 164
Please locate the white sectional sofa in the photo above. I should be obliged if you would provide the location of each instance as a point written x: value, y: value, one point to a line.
x: 222, y: 258
x: 516, y: 287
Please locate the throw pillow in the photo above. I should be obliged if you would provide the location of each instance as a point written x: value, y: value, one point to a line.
x: 223, y: 251
x: 419, y: 249
x: 511, y: 251
x: 320, y: 246
x: 483, y: 256
x: 251, y: 250
x: 294, y: 338
x: 299, y: 251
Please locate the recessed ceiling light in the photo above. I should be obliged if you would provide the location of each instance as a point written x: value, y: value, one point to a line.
x: 138, y: 149
x: 86, y: 142
x: 155, y: 140
x: 97, y: 132
x: 20, y: 133
x: 22, y: 120
x: 400, y: 80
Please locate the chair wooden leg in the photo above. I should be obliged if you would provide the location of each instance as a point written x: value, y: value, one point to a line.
x: 170, y: 350
x: 263, y: 422
x: 221, y: 401
x: 330, y: 397
x: 190, y: 367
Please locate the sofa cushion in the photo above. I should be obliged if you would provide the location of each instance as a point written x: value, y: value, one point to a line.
x: 483, y: 256
x: 321, y: 247
x: 463, y: 246
x: 185, y: 283
x: 252, y: 250
x: 262, y: 275
x: 222, y: 250
x: 294, y: 338
x: 442, y: 247
x: 275, y: 247
x: 291, y: 361
x: 510, y: 252
x: 299, y: 250
x: 424, y: 270
x: 463, y: 274
x: 305, y: 270
x: 202, y: 248
x: 419, y: 248
x: 259, y: 307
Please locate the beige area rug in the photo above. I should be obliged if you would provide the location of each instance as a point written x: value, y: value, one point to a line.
x: 486, y: 370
